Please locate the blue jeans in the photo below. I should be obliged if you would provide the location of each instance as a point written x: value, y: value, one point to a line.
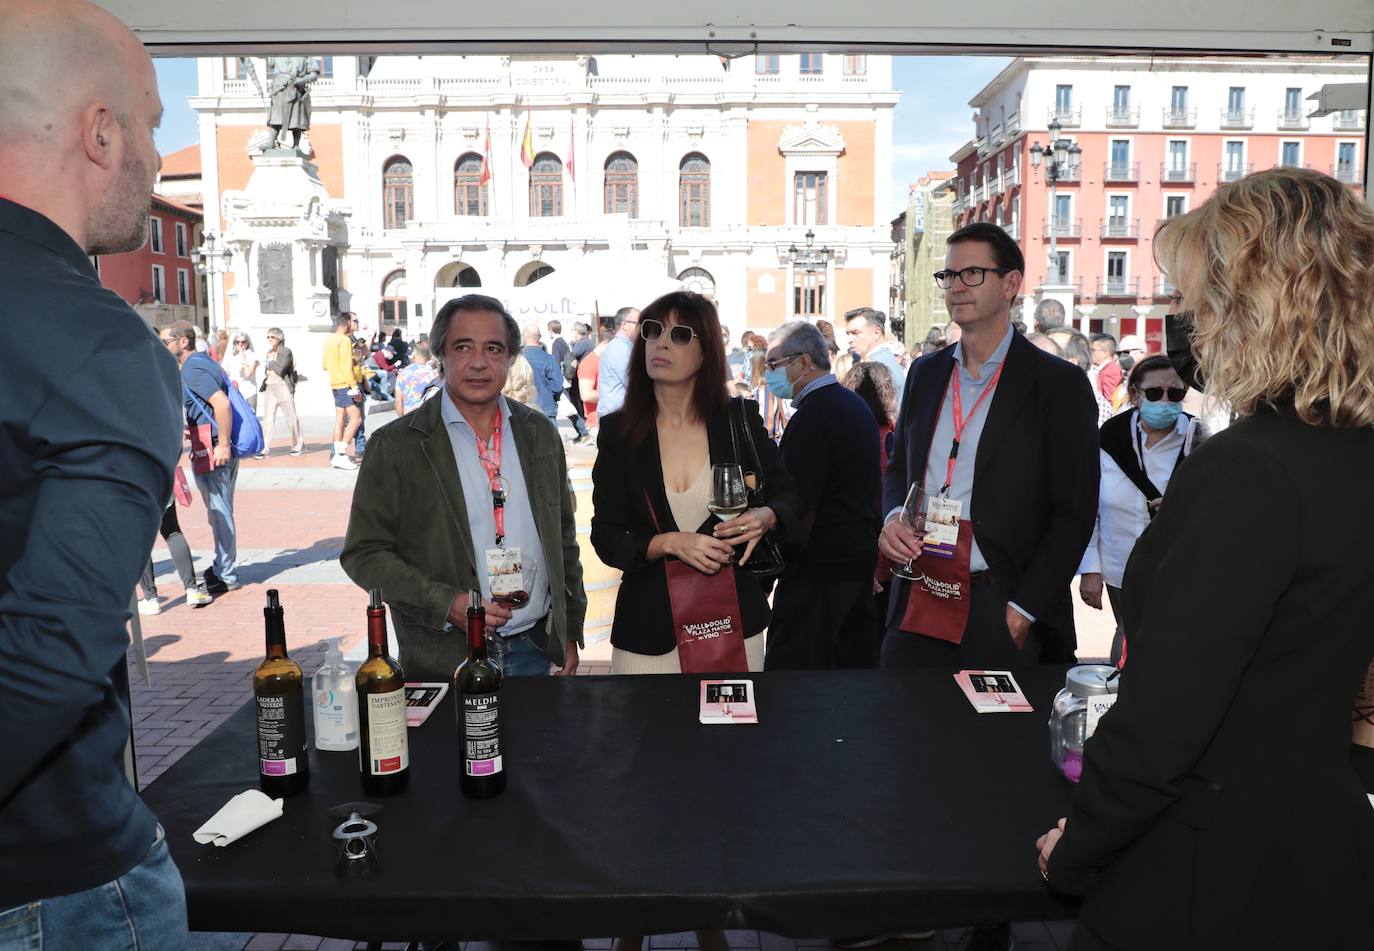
x: 217, y: 489
x: 518, y: 658
x: 144, y: 908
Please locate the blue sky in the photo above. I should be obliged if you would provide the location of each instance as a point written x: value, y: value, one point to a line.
x: 932, y: 120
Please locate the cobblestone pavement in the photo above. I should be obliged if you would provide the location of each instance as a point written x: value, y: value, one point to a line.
x: 291, y: 514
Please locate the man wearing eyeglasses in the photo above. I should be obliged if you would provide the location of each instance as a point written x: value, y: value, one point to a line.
x: 1004, y: 438
x: 614, y: 372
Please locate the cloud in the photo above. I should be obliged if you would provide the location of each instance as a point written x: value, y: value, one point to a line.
x: 927, y: 155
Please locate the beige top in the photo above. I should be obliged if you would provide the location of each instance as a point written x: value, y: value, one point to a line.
x: 689, y: 508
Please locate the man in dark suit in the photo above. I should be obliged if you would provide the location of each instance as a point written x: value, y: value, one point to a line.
x: 823, y: 610
x: 1019, y: 467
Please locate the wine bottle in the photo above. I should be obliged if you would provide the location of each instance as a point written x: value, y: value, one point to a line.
x: 477, y: 691
x: 279, y: 694
x: 383, y: 753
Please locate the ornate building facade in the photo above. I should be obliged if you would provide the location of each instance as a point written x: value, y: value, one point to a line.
x: 608, y: 177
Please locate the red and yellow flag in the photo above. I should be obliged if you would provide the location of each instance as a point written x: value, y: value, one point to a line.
x: 486, y: 158
x: 527, y: 144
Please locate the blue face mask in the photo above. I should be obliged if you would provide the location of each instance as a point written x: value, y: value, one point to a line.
x: 778, y: 383
x: 1161, y: 415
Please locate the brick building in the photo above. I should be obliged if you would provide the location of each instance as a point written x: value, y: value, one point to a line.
x: 159, y: 280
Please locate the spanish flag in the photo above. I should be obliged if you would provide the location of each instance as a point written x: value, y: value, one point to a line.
x: 527, y: 144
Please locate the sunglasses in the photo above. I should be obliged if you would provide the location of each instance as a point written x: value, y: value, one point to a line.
x: 679, y: 334
x: 1156, y: 393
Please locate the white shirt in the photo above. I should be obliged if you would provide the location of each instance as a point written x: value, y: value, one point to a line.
x: 1121, y: 512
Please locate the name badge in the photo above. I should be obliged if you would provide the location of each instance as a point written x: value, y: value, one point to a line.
x: 506, y: 576
x: 942, y: 526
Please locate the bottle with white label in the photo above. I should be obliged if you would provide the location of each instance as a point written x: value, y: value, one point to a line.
x: 279, y: 696
x: 336, y: 702
x: 477, y: 692
x: 383, y: 753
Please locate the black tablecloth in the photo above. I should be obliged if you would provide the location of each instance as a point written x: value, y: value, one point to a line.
x: 862, y: 802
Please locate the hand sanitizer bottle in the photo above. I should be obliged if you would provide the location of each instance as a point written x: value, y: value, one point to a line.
x: 336, y: 703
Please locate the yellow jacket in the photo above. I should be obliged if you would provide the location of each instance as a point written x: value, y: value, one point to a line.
x: 338, y: 361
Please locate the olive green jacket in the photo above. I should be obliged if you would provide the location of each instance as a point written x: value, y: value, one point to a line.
x: 408, y: 534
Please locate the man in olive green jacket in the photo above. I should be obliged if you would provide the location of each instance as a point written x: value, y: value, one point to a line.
x: 426, y: 489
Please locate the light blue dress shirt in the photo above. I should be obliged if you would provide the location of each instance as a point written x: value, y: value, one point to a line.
x: 521, y: 531
x: 820, y: 381
x: 961, y: 487
x: 613, y: 375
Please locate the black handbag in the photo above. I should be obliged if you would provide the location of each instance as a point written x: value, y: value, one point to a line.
x: 766, y: 560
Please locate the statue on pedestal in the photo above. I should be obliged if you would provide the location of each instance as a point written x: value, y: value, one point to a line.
x: 288, y: 99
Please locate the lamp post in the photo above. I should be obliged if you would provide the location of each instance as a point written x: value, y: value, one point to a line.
x: 211, y: 258
x: 810, y: 258
x: 1061, y: 156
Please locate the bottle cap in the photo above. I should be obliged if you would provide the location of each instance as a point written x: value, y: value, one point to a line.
x: 333, y: 656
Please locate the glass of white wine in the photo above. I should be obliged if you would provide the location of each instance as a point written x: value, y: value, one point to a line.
x: 913, y: 516
x: 728, y: 494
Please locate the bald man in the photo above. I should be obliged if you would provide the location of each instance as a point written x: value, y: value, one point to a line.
x: 87, y: 446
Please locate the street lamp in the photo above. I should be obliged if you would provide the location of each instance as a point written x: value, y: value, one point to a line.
x: 810, y: 258
x: 211, y: 258
x: 1062, y: 158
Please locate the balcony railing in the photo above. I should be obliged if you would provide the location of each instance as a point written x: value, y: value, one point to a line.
x: 1238, y: 118
x: 1290, y: 119
x: 1164, y: 287
x: 1012, y: 176
x: 980, y: 193
x: 1346, y: 173
x: 1013, y: 228
x: 1232, y: 173
x: 1013, y: 124
x: 1067, y: 116
x: 1348, y: 121
x: 995, y: 184
x: 1070, y: 172
x: 997, y: 136
x: 1122, y: 118
x: 1180, y: 118
x: 1174, y: 173
x: 1120, y: 228
x: 960, y: 203
x: 1128, y: 287
x: 1121, y: 172
x: 1064, y: 227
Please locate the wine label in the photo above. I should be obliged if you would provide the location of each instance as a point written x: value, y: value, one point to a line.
x: 1364, y: 711
x: 1097, y: 707
x: 481, y: 734
x: 386, y: 733
x: 281, y: 735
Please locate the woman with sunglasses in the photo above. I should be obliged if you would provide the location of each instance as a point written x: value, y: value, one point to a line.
x: 1141, y: 448
x: 658, y: 450
x: 1219, y: 806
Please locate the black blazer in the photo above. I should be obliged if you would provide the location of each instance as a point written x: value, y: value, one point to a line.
x: 1218, y: 808
x: 622, y: 527
x: 1035, y: 480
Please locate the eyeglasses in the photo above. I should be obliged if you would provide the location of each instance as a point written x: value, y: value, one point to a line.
x: 1156, y: 393
x: 971, y: 276
x: 777, y: 362
x: 679, y: 334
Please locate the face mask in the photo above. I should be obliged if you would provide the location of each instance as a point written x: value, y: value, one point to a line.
x: 778, y: 383
x: 1161, y: 415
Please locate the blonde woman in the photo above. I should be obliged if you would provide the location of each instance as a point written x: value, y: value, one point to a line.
x: 1217, y: 807
x: 242, y: 367
x: 520, y: 383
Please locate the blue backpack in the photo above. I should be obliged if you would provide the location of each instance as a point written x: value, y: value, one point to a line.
x: 246, y: 436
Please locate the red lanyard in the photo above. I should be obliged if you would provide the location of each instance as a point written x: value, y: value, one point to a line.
x: 960, y: 420
x: 491, y: 463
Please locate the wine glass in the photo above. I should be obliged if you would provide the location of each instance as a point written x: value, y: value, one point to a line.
x: 913, y: 517
x: 728, y: 494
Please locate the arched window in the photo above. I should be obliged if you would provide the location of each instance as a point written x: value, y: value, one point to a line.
x: 694, y: 192
x: 458, y: 274
x: 699, y: 281
x: 393, y: 308
x: 469, y: 192
x: 532, y: 272
x: 398, y: 192
x: 622, y: 185
x: 546, y: 186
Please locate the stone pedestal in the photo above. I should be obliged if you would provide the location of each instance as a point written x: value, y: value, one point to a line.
x: 288, y: 236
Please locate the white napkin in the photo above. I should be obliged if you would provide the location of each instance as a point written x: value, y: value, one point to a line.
x: 239, y: 816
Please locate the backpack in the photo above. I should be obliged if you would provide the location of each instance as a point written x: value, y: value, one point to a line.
x: 246, y: 437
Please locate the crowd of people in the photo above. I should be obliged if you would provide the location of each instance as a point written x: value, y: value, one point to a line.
x: 962, y: 492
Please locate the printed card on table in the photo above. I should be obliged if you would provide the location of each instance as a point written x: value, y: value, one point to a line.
x: 993, y: 691
x: 728, y: 701
x: 422, y: 700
